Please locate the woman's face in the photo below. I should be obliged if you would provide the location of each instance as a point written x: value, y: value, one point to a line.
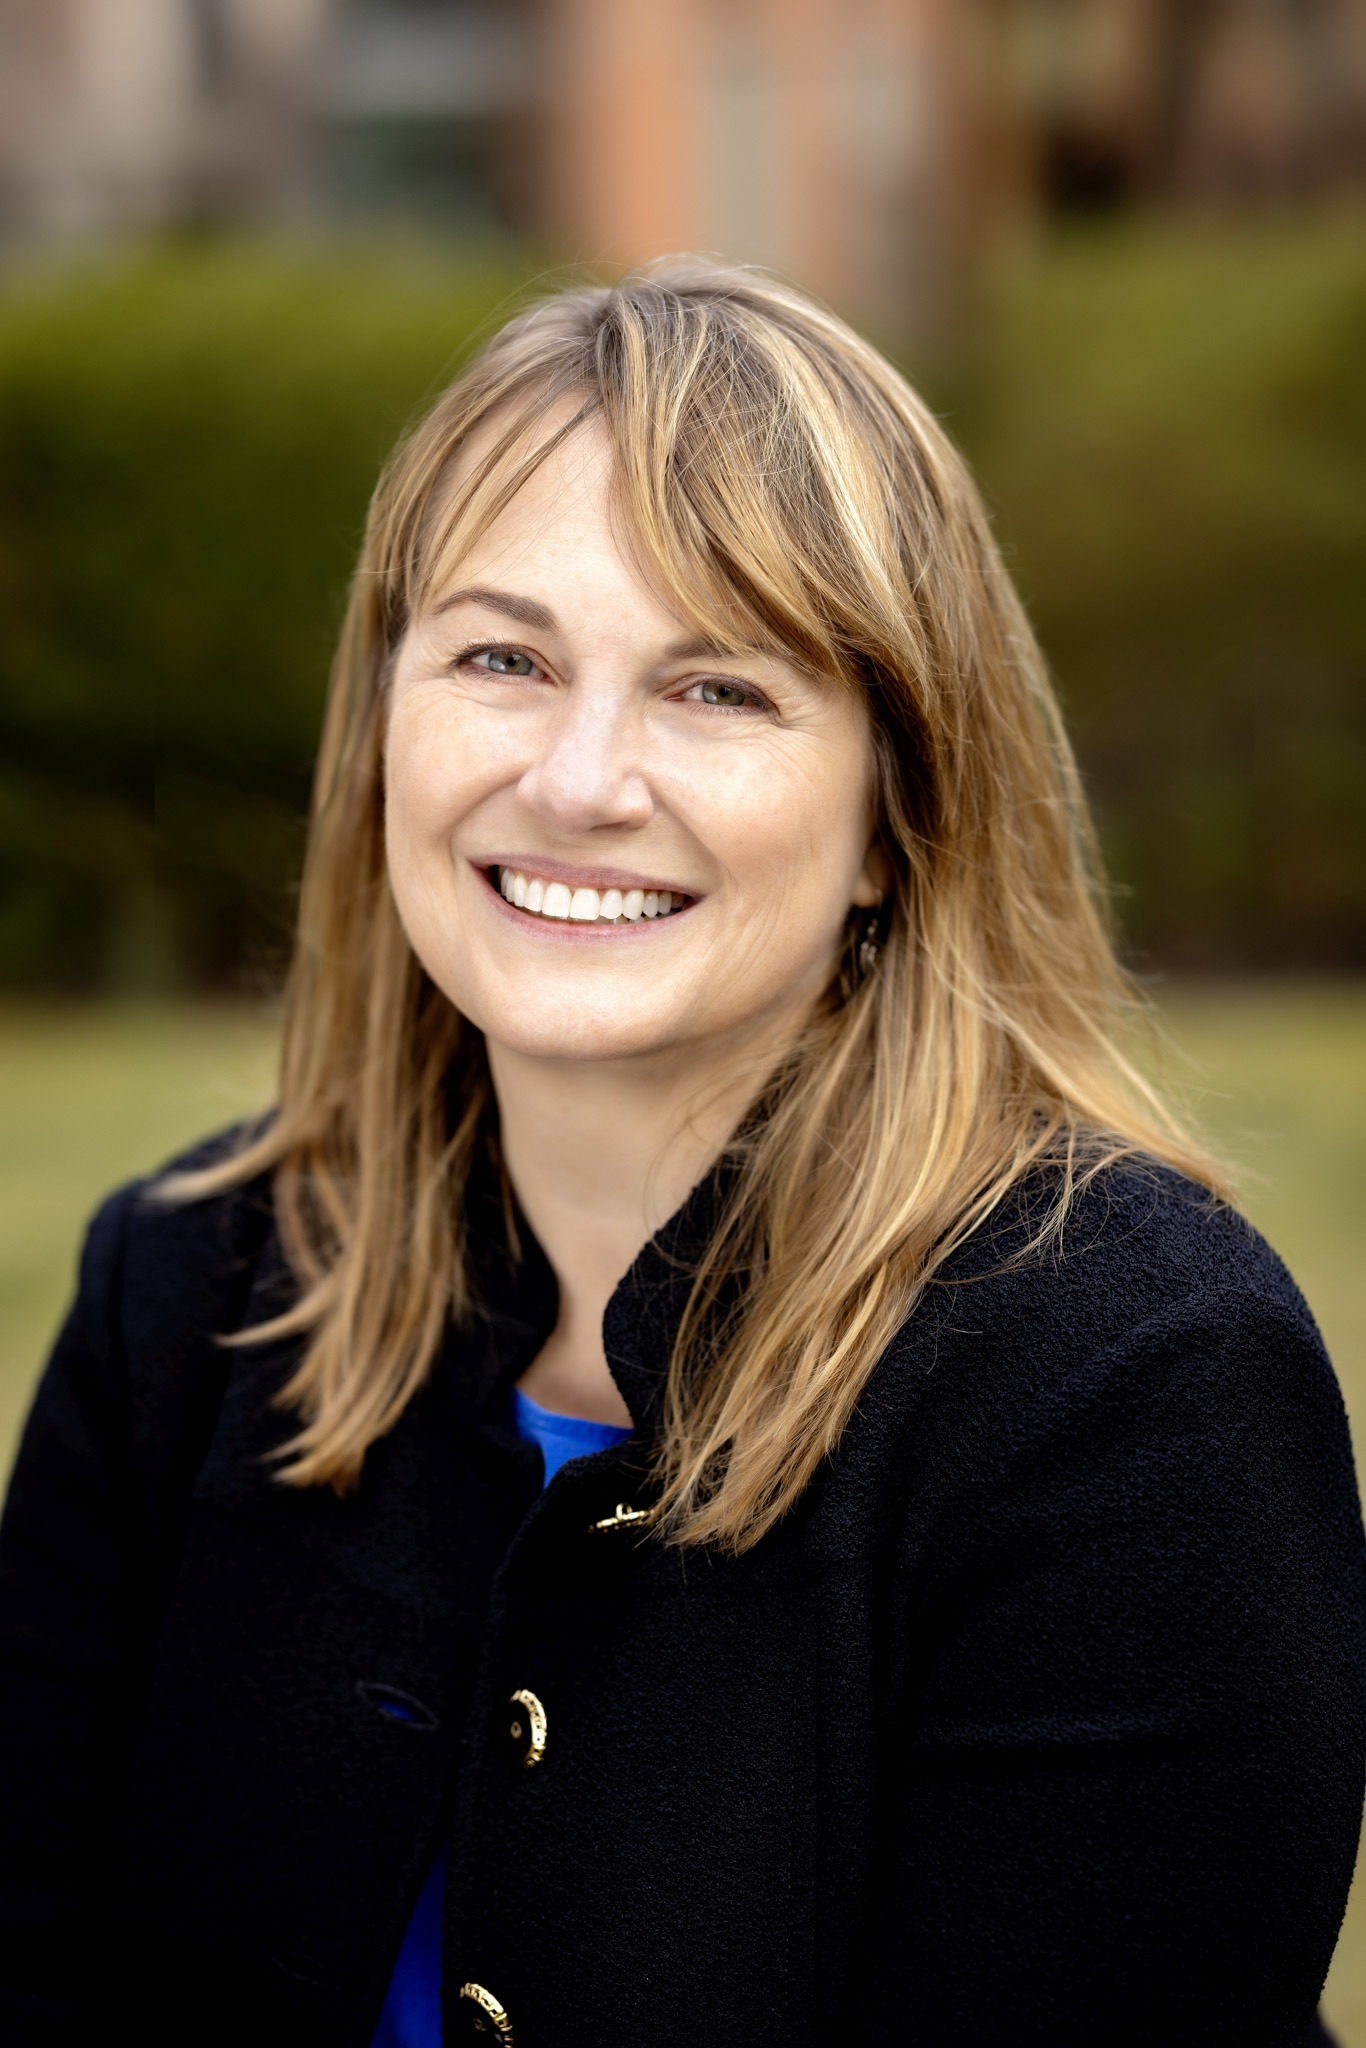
x: 606, y: 839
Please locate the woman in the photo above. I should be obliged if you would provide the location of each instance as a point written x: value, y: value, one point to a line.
x: 944, y: 1619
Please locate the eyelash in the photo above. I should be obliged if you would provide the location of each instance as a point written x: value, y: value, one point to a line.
x: 496, y: 647
x: 756, y: 701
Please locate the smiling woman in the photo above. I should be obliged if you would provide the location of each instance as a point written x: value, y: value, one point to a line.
x: 719, y: 1462
x: 738, y: 787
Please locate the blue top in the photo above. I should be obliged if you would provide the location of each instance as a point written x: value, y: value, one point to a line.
x: 561, y: 1437
x: 412, y: 2011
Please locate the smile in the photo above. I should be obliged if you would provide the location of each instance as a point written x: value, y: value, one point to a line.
x: 585, y: 906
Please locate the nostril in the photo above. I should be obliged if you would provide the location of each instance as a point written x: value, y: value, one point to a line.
x: 396, y: 1705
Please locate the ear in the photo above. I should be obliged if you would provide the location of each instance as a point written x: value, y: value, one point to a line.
x: 874, y: 878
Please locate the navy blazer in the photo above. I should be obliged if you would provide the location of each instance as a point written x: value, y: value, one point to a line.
x: 1039, y: 1720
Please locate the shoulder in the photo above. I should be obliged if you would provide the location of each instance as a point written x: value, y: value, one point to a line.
x: 1152, y: 1369
x: 136, y: 1373
x: 1154, y: 1306
x: 147, y: 1249
x: 162, y: 1278
x: 1138, y: 1241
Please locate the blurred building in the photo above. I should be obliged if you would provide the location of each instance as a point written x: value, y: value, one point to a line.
x: 119, y: 114
x: 870, y: 148
x: 127, y: 114
x: 1224, y: 101
x: 832, y: 139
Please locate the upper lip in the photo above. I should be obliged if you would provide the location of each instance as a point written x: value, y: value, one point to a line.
x: 575, y: 877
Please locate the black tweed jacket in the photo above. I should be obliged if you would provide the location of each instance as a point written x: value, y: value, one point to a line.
x: 1041, y: 1720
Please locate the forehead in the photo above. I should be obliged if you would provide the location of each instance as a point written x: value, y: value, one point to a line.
x: 515, y: 435
x: 565, y: 498
x: 569, y: 512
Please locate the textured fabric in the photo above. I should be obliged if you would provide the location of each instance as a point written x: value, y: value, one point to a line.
x: 1039, y: 1721
x: 412, y: 2007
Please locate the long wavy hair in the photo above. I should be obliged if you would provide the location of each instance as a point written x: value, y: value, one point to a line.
x: 773, y: 469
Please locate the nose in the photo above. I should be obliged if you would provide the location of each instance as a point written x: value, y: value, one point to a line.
x: 588, y: 772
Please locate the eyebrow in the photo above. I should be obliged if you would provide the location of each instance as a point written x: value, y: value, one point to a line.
x: 527, y: 612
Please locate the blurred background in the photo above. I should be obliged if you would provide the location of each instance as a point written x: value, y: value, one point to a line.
x: 1120, y: 243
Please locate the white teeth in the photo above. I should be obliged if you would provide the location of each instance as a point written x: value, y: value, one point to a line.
x: 584, y: 906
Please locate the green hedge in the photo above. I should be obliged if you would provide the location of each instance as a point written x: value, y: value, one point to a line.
x: 1171, y: 425
x: 187, y: 443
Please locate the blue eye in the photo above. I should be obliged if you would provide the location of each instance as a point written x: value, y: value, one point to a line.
x: 506, y: 661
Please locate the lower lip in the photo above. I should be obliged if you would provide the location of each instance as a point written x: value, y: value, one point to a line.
x: 567, y: 930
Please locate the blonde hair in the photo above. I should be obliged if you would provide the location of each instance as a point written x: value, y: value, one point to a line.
x: 772, y: 469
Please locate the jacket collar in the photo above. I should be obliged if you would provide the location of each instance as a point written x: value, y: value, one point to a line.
x: 519, y: 1299
x: 644, y: 1313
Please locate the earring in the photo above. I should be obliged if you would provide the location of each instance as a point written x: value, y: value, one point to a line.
x: 869, y: 944
x: 862, y: 948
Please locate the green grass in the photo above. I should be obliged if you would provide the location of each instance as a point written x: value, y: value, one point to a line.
x: 1170, y: 425
x: 1276, y: 1072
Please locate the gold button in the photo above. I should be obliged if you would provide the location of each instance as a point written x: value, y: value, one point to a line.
x: 526, y: 1728
x: 485, y: 2019
x: 622, y: 1517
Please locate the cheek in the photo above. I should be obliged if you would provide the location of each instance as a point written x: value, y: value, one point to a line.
x: 424, y: 798
x: 792, y: 827
x: 427, y: 790
x: 435, y: 771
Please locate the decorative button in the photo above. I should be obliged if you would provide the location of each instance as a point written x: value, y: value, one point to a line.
x: 621, y: 1517
x: 526, y: 1728
x: 484, y: 2018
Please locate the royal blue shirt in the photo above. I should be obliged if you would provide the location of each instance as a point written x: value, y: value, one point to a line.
x: 412, y: 2011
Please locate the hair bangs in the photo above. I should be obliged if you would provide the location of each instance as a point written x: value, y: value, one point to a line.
x: 736, y: 474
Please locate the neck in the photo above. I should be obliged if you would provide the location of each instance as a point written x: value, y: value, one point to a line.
x: 601, y: 1153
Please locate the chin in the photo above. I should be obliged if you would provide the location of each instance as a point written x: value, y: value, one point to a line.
x: 567, y: 1030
